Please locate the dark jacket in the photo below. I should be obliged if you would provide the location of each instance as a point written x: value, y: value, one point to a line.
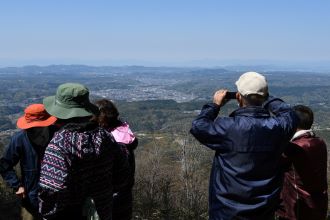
x: 123, y: 199
x: 245, y: 179
x: 128, y: 143
x: 78, y: 164
x: 21, y: 150
x: 304, y: 191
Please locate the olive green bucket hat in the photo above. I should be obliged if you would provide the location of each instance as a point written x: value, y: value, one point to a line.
x: 71, y: 101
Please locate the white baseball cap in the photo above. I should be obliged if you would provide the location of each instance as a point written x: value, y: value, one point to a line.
x: 252, y: 83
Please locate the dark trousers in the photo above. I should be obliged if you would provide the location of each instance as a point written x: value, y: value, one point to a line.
x: 122, y: 205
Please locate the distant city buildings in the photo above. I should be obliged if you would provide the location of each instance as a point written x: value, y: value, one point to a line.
x: 141, y: 94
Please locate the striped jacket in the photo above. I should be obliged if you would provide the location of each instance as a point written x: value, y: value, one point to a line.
x: 80, y: 162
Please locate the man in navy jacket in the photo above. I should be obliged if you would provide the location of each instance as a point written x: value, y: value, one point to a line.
x: 246, y: 178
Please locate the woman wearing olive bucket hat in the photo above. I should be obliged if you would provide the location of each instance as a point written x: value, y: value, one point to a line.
x: 79, y: 161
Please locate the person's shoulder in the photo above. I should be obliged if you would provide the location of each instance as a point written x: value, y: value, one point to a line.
x: 302, y: 139
x: 124, y: 126
x: 104, y: 134
x: 226, y: 121
x: 320, y: 141
x: 19, y: 135
x: 61, y: 132
x: 18, y: 140
x: 123, y: 134
x: 309, y: 141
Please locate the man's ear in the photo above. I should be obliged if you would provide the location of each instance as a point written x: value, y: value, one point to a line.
x: 239, y: 99
x: 238, y: 95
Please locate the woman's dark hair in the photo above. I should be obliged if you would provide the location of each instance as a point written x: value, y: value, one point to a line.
x: 108, y: 115
x: 305, y: 115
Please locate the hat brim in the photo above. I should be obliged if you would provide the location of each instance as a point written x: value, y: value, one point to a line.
x: 23, y: 124
x: 68, y: 112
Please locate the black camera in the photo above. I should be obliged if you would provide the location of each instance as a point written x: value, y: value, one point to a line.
x: 230, y: 95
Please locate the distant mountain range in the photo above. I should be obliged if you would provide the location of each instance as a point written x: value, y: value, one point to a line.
x: 322, y: 67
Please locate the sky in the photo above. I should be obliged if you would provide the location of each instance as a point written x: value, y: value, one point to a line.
x: 164, y: 32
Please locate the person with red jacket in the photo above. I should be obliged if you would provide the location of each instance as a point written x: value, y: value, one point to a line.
x: 304, y: 194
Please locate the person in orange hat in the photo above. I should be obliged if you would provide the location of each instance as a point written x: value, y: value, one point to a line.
x: 27, y: 147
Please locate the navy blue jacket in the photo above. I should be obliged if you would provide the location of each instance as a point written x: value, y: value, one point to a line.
x: 21, y: 150
x: 246, y: 179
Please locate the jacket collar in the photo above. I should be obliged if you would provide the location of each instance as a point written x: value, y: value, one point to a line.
x: 251, y: 111
x: 301, y: 133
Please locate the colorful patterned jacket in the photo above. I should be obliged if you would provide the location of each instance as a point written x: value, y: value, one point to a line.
x: 80, y: 162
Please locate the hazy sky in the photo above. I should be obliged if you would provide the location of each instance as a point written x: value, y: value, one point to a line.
x: 163, y: 32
